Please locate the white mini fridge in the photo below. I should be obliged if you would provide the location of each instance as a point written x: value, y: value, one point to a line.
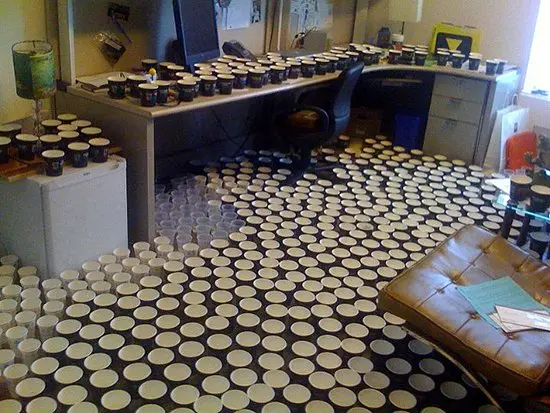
x: 57, y: 223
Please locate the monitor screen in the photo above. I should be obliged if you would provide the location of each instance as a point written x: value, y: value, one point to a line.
x: 196, y: 29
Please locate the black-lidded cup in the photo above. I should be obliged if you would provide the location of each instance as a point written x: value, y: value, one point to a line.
x: 26, y: 146
x: 241, y: 78
x: 117, y: 87
x: 90, y: 133
x: 79, y: 154
x: 208, y: 85
x: 420, y: 57
x: 133, y: 82
x: 491, y: 67
x: 393, y: 56
x: 308, y: 68
x: 295, y: 70
x: 149, y: 94
x: 4, y: 146
x: 255, y: 78
x: 474, y: 59
x: 519, y: 187
x: 54, y: 162
x: 501, y: 66
x: 148, y: 64
x: 540, y: 198
x: 457, y: 60
x: 50, y: 125
x: 442, y: 58
x: 186, y: 89
x: 277, y: 74
x: 99, y: 150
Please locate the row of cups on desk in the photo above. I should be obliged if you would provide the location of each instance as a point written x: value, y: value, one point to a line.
x: 225, y: 75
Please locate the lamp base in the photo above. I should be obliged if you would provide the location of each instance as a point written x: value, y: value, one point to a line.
x: 36, y: 117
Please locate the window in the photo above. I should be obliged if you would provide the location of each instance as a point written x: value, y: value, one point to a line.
x: 539, y: 61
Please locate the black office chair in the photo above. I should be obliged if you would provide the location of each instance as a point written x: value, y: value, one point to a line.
x: 318, y: 119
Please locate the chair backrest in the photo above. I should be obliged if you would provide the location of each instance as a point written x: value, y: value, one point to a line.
x: 340, y: 108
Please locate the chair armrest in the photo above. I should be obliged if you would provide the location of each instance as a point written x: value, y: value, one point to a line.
x: 323, y: 115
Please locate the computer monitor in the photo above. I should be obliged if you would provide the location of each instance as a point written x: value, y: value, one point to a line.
x: 197, y: 31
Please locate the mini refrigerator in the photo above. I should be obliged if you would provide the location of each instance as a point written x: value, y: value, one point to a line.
x: 57, y: 223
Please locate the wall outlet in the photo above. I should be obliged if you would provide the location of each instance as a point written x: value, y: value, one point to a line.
x: 118, y: 11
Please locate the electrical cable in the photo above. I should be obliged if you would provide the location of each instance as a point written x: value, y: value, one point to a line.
x: 277, y: 4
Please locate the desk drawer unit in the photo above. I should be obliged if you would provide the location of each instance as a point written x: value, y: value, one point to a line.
x: 450, y: 137
x: 460, y: 88
x: 457, y: 109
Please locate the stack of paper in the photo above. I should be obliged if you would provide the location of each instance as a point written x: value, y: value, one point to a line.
x: 518, y: 310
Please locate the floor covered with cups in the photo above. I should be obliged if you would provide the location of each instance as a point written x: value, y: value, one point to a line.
x: 283, y: 316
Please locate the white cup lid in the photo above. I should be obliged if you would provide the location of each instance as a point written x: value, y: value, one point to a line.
x: 53, y: 154
x: 79, y: 146
x: 30, y: 387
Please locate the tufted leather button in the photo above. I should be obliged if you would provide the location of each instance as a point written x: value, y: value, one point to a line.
x: 474, y: 316
x: 511, y: 336
x: 440, y: 290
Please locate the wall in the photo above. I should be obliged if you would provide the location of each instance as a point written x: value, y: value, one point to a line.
x: 20, y: 20
x: 151, y: 28
x: 507, y: 26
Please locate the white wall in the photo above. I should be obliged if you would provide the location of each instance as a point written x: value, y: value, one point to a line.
x: 507, y: 26
x: 19, y: 20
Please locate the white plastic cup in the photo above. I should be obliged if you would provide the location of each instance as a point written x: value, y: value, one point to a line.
x: 10, y: 259
x: 121, y: 254
x: 55, y: 308
x: 32, y: 304
x: 190, y: 250
x: 141, y: 246
x: 12, y: 291
x: 89, y: 266
x: 7, y: 358
x: 57, y: 294
x: 176, y: 256
x: 31, y: 293
x: 111, y: 269
x: 13, y: 374
x: 145, y: 256
x: 156, y: 265
x: 94, y: 276
x: 128, y: 263
x: 5, y: 280
x: 106, y: 260
x: 164, y: 249
x: 77, y: 285
x: 31, y: 281
x: 7, y: 271
x: 121, y: 278
x: 161, y: 240
x: 27, y: 271
x: 67, y: 276
x: 27, y: 319
x: 139, y: 271
x: 9, y: 306
x: 101, y: 287
x: 29, y: 350
x: 6, y: 321
x: 16, y: 335
x: 50, y: 284
x: 46, y: 326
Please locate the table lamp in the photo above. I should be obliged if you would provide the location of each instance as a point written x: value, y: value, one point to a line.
x: 405, y: 11
x: 34, y: 68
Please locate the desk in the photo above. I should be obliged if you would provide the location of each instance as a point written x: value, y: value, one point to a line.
x: 134, y: 127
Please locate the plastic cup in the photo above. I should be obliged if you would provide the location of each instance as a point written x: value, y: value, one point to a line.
x: 51, y: 284
x: 32, y: 304
x: 140, y: 247
x: 27, y: 271
x: 32, y: 292
x: 159, y: 216
x: 10, y: 259
x: 94, y: 276
x: 121, y: 278
x: 168, y: 233
x: 77, y: 285
x: 27, y: 319
x: 203, y: 221
x: 16, y: 335
x: 190, y: 249
x: 70, y: 275
x: 161, y: 240
x: 9, y: 306
x: 55, y: 159
x: 236, y: 224
x: 219, y: 234
x: 175, y: 215
x: 29, y: 349
x: 7, y: 358
x: 29, y: 282
x: 12, y: 292
x: 46, y: 326
x: 112, y: 269
x: 127, y: 265
x: 222, y: 226
x: 184, y: 229
x: 204, y: 240
x: 182, y: 240
x: 121, y: 254
x: 13, y: 374
x: 202, y: 229
x: 229, y: 216
x: 145, y: 256
x: 57, y: 294
x: 160, y: 188
x: 164, y: 249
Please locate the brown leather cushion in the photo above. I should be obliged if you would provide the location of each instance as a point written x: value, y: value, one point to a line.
x: 304, y: 119
x: 426, y: 296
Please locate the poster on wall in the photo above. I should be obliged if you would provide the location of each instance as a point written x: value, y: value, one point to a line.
x: 256, y: 12
x: 312, y: 13
x: 233, y: 14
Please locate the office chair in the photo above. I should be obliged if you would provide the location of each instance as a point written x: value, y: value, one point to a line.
x: 318, y: 119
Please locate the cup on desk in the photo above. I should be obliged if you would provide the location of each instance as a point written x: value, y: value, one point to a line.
x: 26, y: 146
x: 208, y: 85
x: 148, y: 64
x: 407, y: 54
x: 5, y: 143
x: 172, y: 70
x: 99, y: 149
x: 457, y: 60
x: 81, y: 124
x: 204, y: 72
x: 267, y: 74
x: 117, y: 87
x: 474, y: 59
x: 540, y: 198
x: 68, y: 137
x: 420, y: 58
x: 54, y: 162
x: 491, y: 67
x: 164, y: 87
x: 442, y: 57
x: 225, y: 83
x: 149, y: 94
x: 241, y: 77
x: 163, y: 70
x: 519, y: 187
x: 67, y: 128
x: 393, y: 56
x: 186, y: 89
x: 500, y: 66
x: 236, y: 65
x: 66, y: 118
x: 255, y: 78
x: 133, y: 82
x: 50, y: 126
x: 295, y: 70
x: 79, y: 154
x: 308, y: 68
x: 277, y: 74
x: 49, y: 142
x: 354, y: 56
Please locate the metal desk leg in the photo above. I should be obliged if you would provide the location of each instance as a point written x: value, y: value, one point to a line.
x: 522, y: 238
x: 509, y: 215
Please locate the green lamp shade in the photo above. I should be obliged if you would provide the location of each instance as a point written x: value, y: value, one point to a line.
x: 34, y: 69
